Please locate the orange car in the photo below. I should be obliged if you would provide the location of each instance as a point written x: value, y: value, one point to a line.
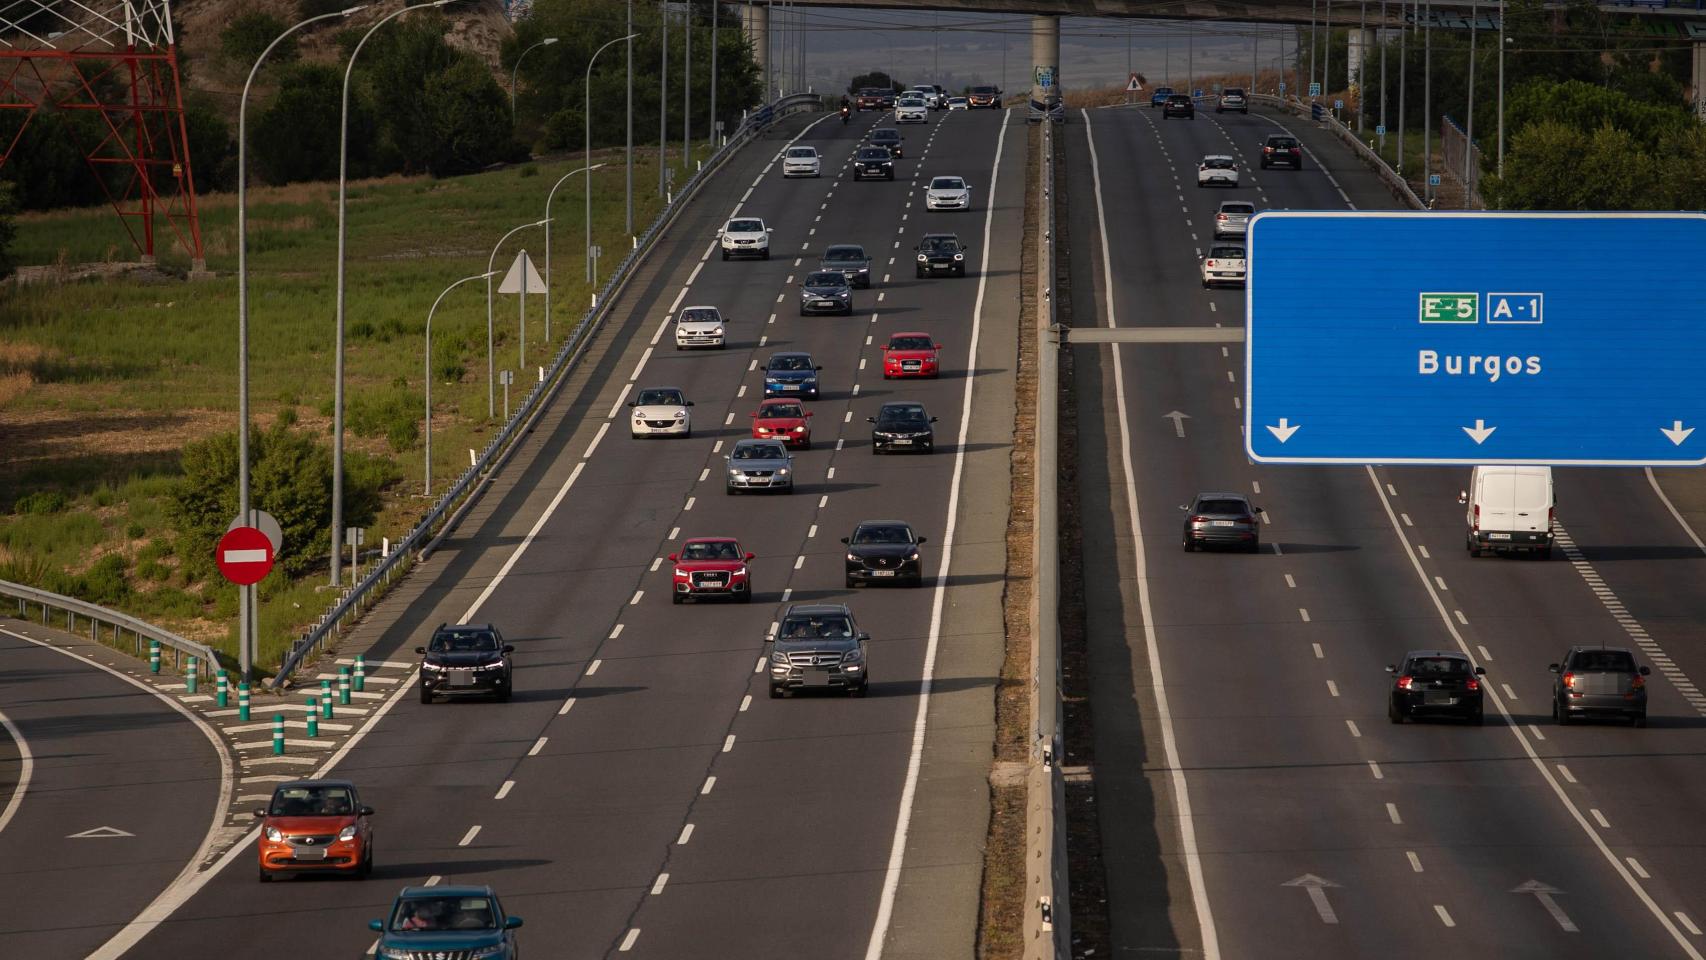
x: 315, y: 825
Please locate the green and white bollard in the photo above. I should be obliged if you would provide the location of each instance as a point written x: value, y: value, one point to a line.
x: 222, y: 688
x: 278, y: 734
x: 153, y: 656
x: 313, y: 718
x: 189, y: 677
x: 325, y: 699
x: 243, y: 702
x: 360, y: 673
x: 343, y: 686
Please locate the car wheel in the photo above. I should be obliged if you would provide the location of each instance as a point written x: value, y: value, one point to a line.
x: 1479, y: 717
x: 1474, y: 548
x: 728, y: 490
x: 1255, y: 547
x: 919, y: 273
x: 1544, y: 553
x: 1393, y: 713
x: 918, y: 580
x: 1638, y: 719
x: 631, y: 434
x: 746, y: 595
x: 674, y: 597
x: 265, y: 875
x: 765, y: 255
x: 502, y: 694
x: 426, y: 694
x: 1205, y: 284
x: 806, y: 445
x: 863, y: 688
x: 725, y: 254
x: 1562, y: 713
x: 1186, y: 543
x: 776, y: 692
x: 802, y: 311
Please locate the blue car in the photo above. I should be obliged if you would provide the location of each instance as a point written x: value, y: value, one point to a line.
x: 447, y: 922
x: 791, y: 375
x: 1159, y: 96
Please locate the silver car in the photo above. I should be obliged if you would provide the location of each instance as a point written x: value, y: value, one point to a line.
x: 759, y: 465
x: 660, y: 412
x: 1233, y: 219
x: 819, y: 646
x: 947, y: 193
x: 801, y: 162
x: 699, y: 327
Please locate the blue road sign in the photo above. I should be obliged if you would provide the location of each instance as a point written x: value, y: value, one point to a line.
x: 1282, y: 86
x: 1474, y: 338
x: 1314, y: 89
x: 1380, y: 129
x: 1338, y: 104
x: 1433, y: 179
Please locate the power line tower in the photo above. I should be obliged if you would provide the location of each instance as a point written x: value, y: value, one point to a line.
x: 116, y: 60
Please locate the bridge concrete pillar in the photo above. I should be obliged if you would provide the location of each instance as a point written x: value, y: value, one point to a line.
x: 1045, y: 61
x: 755, y: 26
x: 1700, y: 80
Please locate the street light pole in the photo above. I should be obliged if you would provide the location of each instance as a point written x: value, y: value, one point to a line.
x: 548, y: 197
x: 663, y: 108
x: 245, y: 633
x: 1502, y: 42
x: 491, y: 371
x: 517, y: 69
x: 1427, y: 102
x: 1362, y: 60
x: 1383, y: 74
x: 712, y: 131
x: 1469, y: 121
x: 427, y: 488
x: 628, y: 192
x: 338, y: 357
x: 587, y: 117
x: 687, y: 85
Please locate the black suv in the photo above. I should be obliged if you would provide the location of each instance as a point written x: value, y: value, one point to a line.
x: 941, y: 253
x: 887, y: 137
x: 871, y: 162
x: 884, y: 551
x: 1178, y: 105
x: 903, y: 425
x: 466, y: 658
x: 851, y: 260
x: 819, y: 646
x: 1279, y: 148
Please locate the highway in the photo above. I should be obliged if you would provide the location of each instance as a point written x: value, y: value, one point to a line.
x: 1240, y: 699
x: 642, y: 794
x: 107, y: 759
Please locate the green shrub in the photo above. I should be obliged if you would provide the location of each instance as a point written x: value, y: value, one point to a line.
x: 152, y: 570
x: 40, y: 503
x: 169, y: 601
x: 393, y: 415
x: 248, y: 34
x: 135, y: 531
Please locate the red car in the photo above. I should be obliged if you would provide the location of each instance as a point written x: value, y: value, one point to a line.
x: 910, y: 355
x: 315, y: 826
x: 783, y: 419
x: 711, y: 567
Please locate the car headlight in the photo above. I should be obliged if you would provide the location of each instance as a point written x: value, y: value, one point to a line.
x: 347, y: 833
x: 922, y: 258
x: 683, y: 574
x: 740, y: 571
x: 914, y: 556
x: 771, y: 380
x: 681, y: 414
x: 394, y: 953
x: 853, y: 656
x: 782, y: 472
x: 717, y: 332
x: 430, y: 667
x: 800, y: 429
x: 273, y: 834
x: 852, y: 557
x: 733, y: 472
x: 778, y: 658
x: 493, y: 950
x: 494, y: 665
x: 959, y: 256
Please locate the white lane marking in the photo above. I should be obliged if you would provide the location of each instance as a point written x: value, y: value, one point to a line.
x: 603, y: 428
x: 1564, y: 772
x: 1439, y: 582
x: 1640, y: 871
x: 641, y: 365
x: 848, y: 418
x: 1374, y: 768
x: 504, y: 790
x: 1303, y: 613
x: 728, y: 743
x: 657, y: 887
x: 1485, y: 653
x: 799, y: 561
x: 592, y: 667
x: 746, y: 701
x: 1536, y: 732
x: 503, y: 571
x: 709, y: 783
x: 673, y: 533
x: 1406, y: 518
x: 26, y: 768
x: 538, y: 745
x: 1181, y: 790
x: 1290, y: 582
x: 432, y: 881
x: 468, y: 837
x: 1392, y: 813
x: 811, y: 532
x: 1319, y: 653
x: 915, y: 759
x: 717, y: 447
x: 1460, y: 617
x: 787, y: 592
x: 1256, y: 486
x: 1683, y: 919
x: 616, y: 407
x: 690, y: 502
x: 1415, y: 861
x: 628, y: 941
x: 742, y: 391
x: 759, y: 668
x: 1332, y: 688
x: 656, y: 563
x: 1599, y: 818
x: 636, y: 597
x: 1424, y: 552
x: 1509, y: 693
x: 1534, y: 757
x: 704, y: 473
x: 568, y: 705
x: 1444, y: 917
x: 616, y: 631
x: 729, y: 419
x: 686, y: 832
x: 1352, y: 726
x: 831, y: 474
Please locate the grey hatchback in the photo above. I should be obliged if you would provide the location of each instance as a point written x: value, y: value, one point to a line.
x: 1599, y: 682
x: 1221, y: 518
x: 819, y: 646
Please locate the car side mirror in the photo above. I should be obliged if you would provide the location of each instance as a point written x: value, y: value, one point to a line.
x: 1552, y: 668
x: 809, y: 414
x: 1391, y: 669
x: 718, y: 233
x: 933, y: 419
x: 915, y: 246
x: 751, y: 556
x: 818, y: 367
x: 672, y: 557
x: 769, y: 229
x: 509, y: 648
x: 728, y: 458
x: 260, y: 812
x: 923, y: 539
x: 1480, y: 671
x: 935, y: 346
x: 688, y: 403
x: 885, y: 348
x: 753, y: 416
x: 510, y: 923
x: 870, y: 419
x: 1184, y: 506
x: 863, y: 637
x: 633, y: 403
x: 1646, y: 671
x: 376, y: 925
x: 368, y: 811
x: 420, y: 649
x: 843, y: 540
x: 1462, y: 496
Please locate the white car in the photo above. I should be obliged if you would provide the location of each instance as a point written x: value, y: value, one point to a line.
x: 1217, y: 170
x: 745, y: 237
x: 932, y: 97
x: 947, y: 193
x: 911, y: 110
x: 801, y: 162
x: 699, y: 327
x: 660, y: 412
x: 1225, y: 263
x: 959, y: 103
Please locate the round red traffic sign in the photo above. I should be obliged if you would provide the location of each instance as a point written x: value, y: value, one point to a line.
x: 244, y: 555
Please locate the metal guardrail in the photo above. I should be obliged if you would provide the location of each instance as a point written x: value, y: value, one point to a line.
x: 1398, y: 185
x: 1453, y: 141
x: 97, y: 615
x: 449, y: 509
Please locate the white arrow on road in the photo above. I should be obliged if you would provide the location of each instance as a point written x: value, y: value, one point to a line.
x: 1480, y: 431
x: 1178, y: 421
x: 1543, y: 893
x: 1316, y: 886
x: 99, y: 833
x: 1284, y: 431
x: 1677, y: 433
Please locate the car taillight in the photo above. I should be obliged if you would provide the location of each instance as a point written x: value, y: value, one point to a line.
x: 1551, y: 516
x: 1477, y: 520
x: 1405, y: 682
x: 1211, y: 263
x: 1267, y: 149
x: 1570, y: 681
x: 1220, y: 216
x: 1638, y: 682
x: 1473, y: 685
x: 1199, y: 520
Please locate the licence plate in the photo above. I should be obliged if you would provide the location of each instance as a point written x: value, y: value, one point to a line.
x: 790, y: 386
x: 901, y: 443
x: 461, y: 678
x: 1220, y: 523
x: 1439, y: 699
x: 911, y: 365
x: 1498, y: 536
x: 826, y: 303
x: 815, y: 676
x: 882, y: 573
x: 310, y: 853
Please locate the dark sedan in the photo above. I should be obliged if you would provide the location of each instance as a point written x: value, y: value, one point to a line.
x: 1599, y: 682
x: 466, y: 658
x: 889, y: 138
x: 873, y: 163
x: 1178, y: 105
x: 1437, y: 683
x: 883, y: 551
x: 850, y: 259
x: 1222, y: 519
x: 903, y: 425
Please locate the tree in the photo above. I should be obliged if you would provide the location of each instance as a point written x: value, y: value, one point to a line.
x: 296, y: 137
x: 1554, y: 166
x: 875, y: 78
x: 8, y: 230
x: 469, y: 118
x: 246, y: 37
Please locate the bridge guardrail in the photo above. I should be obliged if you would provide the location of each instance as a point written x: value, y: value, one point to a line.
x: 97, y: 615
x: 1400, y: 188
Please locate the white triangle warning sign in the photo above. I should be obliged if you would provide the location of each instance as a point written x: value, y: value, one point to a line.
x: 512, y: 279
x: 99, y: 833
x: 1132, y: 85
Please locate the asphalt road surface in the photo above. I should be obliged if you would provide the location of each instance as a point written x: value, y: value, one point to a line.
x: 642, y: 794
x: 1240, y: 699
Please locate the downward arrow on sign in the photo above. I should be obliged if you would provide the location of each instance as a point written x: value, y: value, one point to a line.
x: 1284, y: 431
x: 1677, y: 433
x: 1480, y: 431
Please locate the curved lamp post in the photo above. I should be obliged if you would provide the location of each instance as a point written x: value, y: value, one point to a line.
x: 548, y: 197
x: 343, y: 223
x: 587, y: 116
x: 427, y: 489
x: 517, y: 69
x: 245, y: 634
x: 491, y: 372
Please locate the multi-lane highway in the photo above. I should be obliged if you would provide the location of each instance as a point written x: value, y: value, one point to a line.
x: 1242, y: 698
x: 642, y: 794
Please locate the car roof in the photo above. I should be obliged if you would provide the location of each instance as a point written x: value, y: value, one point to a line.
x: 902, y: 405
x: 701, y: 306
x: 710, y: 540
x: 1236, y: 203
x: 774, y: 401
x: 908, y: 333
x: 1215, y: 156
x: 790, y: 353
x: 1580, y: 647
x: 314, y: 783
x: 885, y: 131
x: 837, y: 274
x: 843, y: 246
x: 940, y: 236
x: 467, y: 626
x: 1436, y: 654
x: 882, y: 523
x: 447, y: 890
x: 1211, y: 495
x: 816, y: 609
x: 676, y: 389
x: 745, y: 217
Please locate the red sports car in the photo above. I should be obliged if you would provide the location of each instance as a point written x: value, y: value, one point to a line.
x: 910, y: 355
x: 711, y: 567
x: 783, y: 419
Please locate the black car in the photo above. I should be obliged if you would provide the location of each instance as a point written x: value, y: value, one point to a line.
x: 883, y: 551
x: 1226, y: 519
x: 826, y: 291
x: 1599, y: 681
x: 903, y: 425
x: 873, y: 163
x: 941, y: 253
x: 466, y: 658
x: 851, y: 260
x: 1281, y: 149
x: 887, y: 137
x: 819, y: 645
x: 1435, y: 682
x: 1178, y: 105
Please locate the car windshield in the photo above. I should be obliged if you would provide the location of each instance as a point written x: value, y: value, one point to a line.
x: 1233, y: 507
x: 1610, y: 661
x: 912, y: 414
x: 746, y: 226
x: 939, y: 245
x: 1282, y: 143
x: 1241, y: 209
x: 884, y: 134
x: 1227, y: 253
x: 1218, y: 163
x: 1233, y: 92
x: 464, y: 641
x: 910, y: 343
x: 773, y: 410
x: 1179, y: 98
x: 956, y: 99
x: 700, y: 315
x: 874, y: 153
x: 983, y: 90
x: 790, y: 363
x: 444, y: 913
x: 1163, y: 91
x: 838, y: 254
x: 947, y: 183
x: 806, y: 628
x: 803, y: 152
x: 660, y: 397
x: 826, y: 278
x: 911, y: 101
x: 1438, y: 666
x: 711, y: 550
x: 882, y: 533
x: 311, y: 801
x: 758, y: 451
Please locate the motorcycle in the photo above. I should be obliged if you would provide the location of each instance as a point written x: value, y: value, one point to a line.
x: 845, y: 113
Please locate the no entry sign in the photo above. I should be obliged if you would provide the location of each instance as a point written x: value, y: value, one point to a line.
x: 244, y: 555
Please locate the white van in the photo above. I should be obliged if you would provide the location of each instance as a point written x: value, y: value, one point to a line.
x: 1509, y: 508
